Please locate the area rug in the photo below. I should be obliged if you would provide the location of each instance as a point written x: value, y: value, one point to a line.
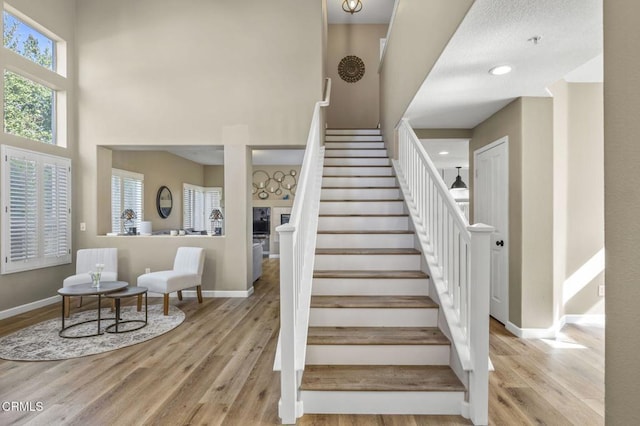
x: 40, y: 342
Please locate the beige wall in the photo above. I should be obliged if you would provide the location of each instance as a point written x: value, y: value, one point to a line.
x: 25, y: 287
x: 578, y: 197
x: 214, y: 176
x: 528, y: 124
x: 161, y: 72
x: 419, y: 33
x: 355, y: 105
x: 444, y: 133
x: 622, y: 203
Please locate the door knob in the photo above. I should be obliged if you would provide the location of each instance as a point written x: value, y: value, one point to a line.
x: 500, y: 243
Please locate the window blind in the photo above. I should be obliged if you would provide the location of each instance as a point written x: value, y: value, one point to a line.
x: 127, y: 192
x: 197, y: 203
x: 36, y: 213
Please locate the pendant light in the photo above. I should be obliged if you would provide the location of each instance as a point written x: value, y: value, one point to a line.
x: 458, y: 183
x: 352, y: 6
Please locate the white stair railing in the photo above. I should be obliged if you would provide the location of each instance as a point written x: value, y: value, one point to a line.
x: 458, y: 256
x: 297, y: 254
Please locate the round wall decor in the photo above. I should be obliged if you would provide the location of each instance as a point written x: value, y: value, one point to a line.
x: 351, y: 69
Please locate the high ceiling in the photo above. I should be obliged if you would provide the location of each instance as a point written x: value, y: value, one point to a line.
x: 373, y: 12
x: 460, y: 93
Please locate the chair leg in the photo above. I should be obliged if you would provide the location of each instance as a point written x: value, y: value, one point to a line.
x: 166, y: 304
x: 79, y: 301
x: 179, y: 294
x: 199, y: 290
x: 67, y: 302
x: 139, y: 302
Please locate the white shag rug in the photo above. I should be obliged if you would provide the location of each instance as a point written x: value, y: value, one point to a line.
x: 41, y: 342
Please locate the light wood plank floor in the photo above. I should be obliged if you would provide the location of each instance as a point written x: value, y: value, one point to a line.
x: 216, y: 369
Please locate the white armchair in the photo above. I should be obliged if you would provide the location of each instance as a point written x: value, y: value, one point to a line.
x: 86, y: 260
x: 186, y: 272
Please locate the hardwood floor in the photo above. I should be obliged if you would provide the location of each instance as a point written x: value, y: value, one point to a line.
x: 216, y: 369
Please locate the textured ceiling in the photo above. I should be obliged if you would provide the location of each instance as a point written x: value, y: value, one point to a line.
x: 460, y: 93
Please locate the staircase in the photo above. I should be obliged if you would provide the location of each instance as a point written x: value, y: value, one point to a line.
x: 373, y: 343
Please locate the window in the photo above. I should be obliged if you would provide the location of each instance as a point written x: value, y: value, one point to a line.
x: 127, y: 192
x: 36, y: 210
x: 34, y: 98
x: 28, y: 42
x: 28, y: 108
x: 197, y: 203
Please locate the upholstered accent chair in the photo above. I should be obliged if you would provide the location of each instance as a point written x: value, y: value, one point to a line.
x: 86, y: 260
x: 186, y: 273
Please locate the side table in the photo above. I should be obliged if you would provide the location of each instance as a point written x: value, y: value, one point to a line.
x: 128, y: 292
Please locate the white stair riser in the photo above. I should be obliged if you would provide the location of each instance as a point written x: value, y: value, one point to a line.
x: 355, y: 153
x: 360, y: 194
x: 373, y: 317
x: 377, y: 355
x: 354, y: 145
x: 363, y: 223
x: 365, y: 241
x: 328, y: 161
x: 359, y: 181
x: 357, y: 207
x: 350, y: 138
x: 357, y: 171
x: 368, y: 262
x: 330, y: 132
x: 370, y: 287
x: 417, y: 403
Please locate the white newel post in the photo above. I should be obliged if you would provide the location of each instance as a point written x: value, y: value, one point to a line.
x: 479, y: 293
x: 288, y: 380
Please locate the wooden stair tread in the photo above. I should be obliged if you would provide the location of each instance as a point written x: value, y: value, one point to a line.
x: 371, y: 251
x: 360, y: 187
x: 371, y: 274
x: 407, y: 378
x: 391, y: 302
x: 368, y: 232
x: 373, y: 200
x: 359, y: 176
x: 376, y: 336
x: 364, y: 215
x: 356, y: 165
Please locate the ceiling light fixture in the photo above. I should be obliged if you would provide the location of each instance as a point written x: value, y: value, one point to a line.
x: 352, y: 6
x: 459, y: 183
x: 443, y: 153
x: 500, y: 70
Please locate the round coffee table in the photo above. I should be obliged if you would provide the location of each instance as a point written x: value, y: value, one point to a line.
x: 88, y: 290
x: 129, y: 292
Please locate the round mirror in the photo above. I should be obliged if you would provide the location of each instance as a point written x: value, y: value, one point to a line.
x: 164, y: 202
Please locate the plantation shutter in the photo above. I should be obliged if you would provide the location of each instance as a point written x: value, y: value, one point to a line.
x: 57, y: 210
x: 116, y: 204
x: 36, y: 214
x: 187, y: 206
x: 23, y: 210
x: 127, y: 192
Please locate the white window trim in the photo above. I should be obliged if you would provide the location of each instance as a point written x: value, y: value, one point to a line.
x: 205, y: 213
x: 41, y: 261
x: 56, y: 79
x: 133, y: 175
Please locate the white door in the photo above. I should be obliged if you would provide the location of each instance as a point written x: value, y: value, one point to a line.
x: 491, y: 206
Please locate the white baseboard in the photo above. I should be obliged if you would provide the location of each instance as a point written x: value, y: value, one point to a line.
x: 550, y: 333
x: 591, y: 319
x: 532, y: 333
x: 274, y: 256
x: 29, y: 307
x: 208, y: 293
x: 11, y: 312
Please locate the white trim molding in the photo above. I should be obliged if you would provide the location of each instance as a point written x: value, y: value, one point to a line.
x: 209, y: 293
x: 11, y: 312
x: 551, y: 332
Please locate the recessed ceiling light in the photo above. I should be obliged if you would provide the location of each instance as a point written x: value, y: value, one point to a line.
x: 500, y: 70
x: 444, y: 153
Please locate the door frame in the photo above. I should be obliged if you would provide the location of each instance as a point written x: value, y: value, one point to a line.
x: 503, y: 140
